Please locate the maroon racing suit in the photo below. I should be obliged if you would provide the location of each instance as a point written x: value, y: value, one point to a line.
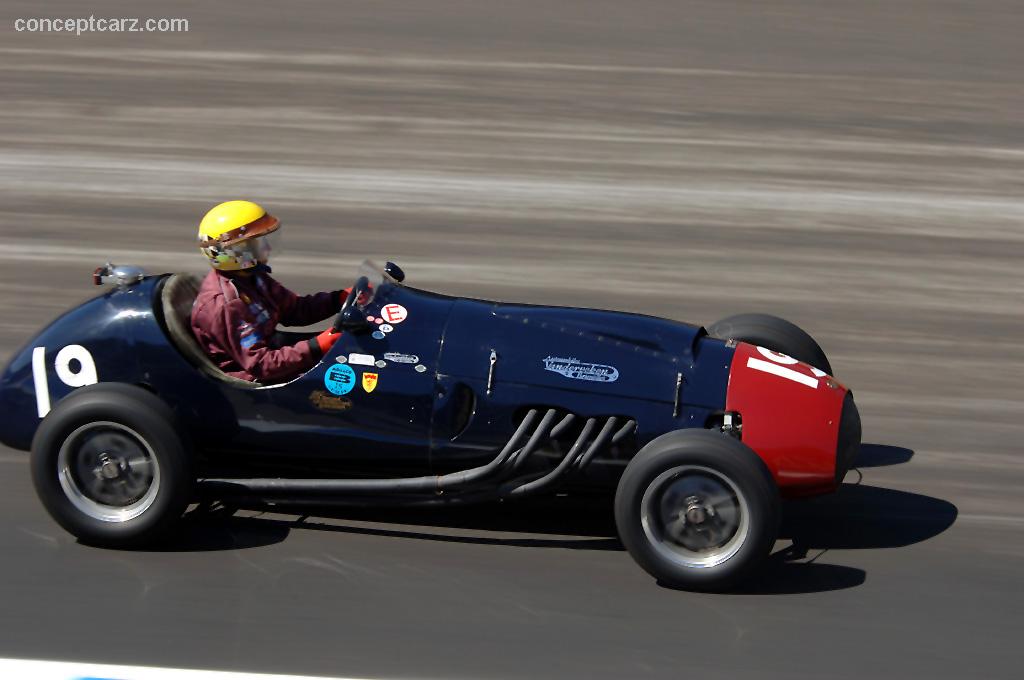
x: 235, y: 318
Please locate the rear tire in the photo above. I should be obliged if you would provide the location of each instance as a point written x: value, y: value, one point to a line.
x: 109, y: 466
x: 774, y: 333
x: 698, y: 510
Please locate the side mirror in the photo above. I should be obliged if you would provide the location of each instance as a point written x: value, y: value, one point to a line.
x: 394, y: 271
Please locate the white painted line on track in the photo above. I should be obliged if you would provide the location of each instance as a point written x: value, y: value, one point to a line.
x: 69, y: 670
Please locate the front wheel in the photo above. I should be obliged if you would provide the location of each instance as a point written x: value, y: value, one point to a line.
x: 697, y: 510
x: 109, y: 466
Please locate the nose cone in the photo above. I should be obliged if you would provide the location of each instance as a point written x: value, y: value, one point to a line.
x: 800, y: 421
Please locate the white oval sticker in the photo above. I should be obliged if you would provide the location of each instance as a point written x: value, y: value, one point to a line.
x: 394, y: 313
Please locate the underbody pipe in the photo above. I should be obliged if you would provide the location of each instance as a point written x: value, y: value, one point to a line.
x: 514, y: 489
x: 429, y: 484
x: 474, y: 474
x: 602, y: 440
x: 575, y: 458
x: 509, y: 458
x: 562, y: 425
x: 560, y: 469
x: 624, y: 431
x: 541, y: 434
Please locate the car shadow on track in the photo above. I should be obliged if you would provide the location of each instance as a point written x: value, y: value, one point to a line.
x: 203, y: 530
x: 857, y: 517
x: 881, y: 455
x: 860, y: 516
x: 567, y: 522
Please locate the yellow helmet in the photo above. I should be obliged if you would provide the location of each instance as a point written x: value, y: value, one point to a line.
x: 235, y: 235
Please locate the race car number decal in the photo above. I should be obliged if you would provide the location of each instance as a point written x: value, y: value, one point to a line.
x: 73, y: 365
x: 778, y: 366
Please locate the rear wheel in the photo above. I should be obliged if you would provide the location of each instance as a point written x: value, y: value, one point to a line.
x: 697, y: 510
x: 109, y: 466
x: 774, y: 333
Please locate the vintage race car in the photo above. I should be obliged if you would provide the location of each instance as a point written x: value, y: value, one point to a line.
x: 431, y: 399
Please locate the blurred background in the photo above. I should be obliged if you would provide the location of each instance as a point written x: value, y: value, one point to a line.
x: 854, y: 167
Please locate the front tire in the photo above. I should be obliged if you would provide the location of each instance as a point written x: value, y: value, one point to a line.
x: 697, y: 510
x: 109, y: 466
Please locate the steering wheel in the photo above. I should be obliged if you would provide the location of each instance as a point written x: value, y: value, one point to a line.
x: 348, y: 315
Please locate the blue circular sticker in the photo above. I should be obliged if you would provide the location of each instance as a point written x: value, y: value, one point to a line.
x: 340, y: 379
x: 377, y: 335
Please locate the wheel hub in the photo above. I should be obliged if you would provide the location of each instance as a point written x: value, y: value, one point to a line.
x: 108, y: 471
x: 109, y: 467
x: 695, y: 516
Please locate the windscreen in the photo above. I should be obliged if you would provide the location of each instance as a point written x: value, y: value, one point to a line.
x: 379, y: 282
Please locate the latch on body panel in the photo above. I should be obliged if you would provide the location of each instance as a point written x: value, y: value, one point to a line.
x: 678, y: 395
x: 490, y: 372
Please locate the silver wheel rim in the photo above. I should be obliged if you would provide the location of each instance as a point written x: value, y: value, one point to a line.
x: 695, y: 516
x: 108, y: 472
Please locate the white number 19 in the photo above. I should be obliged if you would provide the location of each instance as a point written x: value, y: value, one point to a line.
x: 778, y: 366
x: 85, y: 375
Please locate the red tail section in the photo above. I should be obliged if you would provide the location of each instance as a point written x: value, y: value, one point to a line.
x: 791, y: 415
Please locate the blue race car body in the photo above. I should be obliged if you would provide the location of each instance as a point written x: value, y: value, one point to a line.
x: 437, y: 399
x: 432, y: 384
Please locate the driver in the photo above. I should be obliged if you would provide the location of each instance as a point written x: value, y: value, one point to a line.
x: 239, y: 306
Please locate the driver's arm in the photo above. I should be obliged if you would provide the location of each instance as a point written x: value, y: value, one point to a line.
x: 303, y: 310
x: 241, y: 338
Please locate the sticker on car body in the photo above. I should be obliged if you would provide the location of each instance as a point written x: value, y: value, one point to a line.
x: 329, y: 402
x: 361, y: 359
x: 575, y: 369
x: 400, y: 358
x: 340, y: 379
x: 369, y: 381
x: 394, y: 313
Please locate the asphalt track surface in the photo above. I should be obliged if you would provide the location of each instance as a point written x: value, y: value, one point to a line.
x: 855, y: 167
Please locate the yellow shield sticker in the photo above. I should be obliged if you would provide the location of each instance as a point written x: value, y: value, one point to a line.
x: 369, y: 381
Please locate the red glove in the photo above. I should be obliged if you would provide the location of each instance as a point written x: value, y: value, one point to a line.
x: 323, y: 343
